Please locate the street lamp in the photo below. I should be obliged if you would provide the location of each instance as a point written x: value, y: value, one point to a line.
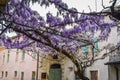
x: 2, y: 5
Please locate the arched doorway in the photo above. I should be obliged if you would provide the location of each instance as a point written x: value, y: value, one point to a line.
x: 55, y: 72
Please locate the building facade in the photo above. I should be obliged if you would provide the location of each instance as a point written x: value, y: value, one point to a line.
x: 55, y: 67
x: 104, y: 69
x: 17, y: 65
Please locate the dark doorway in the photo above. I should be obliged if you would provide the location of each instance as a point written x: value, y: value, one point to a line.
x: 94, y: 75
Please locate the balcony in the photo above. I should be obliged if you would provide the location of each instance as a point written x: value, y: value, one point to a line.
x: 114, y: 57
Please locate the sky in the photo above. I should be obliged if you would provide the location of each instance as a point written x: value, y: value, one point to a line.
x: 80, y: 5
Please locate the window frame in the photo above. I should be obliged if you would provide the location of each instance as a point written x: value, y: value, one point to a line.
x: 15, y: 73
x: 22, y: 76
x: 33, y: 77
x: 6, y: 74
x: 8, y: 57
x: 3, y: 59
x: 23, y: 56
x: 2, y: 74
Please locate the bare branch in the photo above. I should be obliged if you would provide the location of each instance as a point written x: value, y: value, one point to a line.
x: 7, y: 26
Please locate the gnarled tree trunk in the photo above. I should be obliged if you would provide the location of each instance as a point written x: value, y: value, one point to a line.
x: 80, y: 71
x: 75, y: 60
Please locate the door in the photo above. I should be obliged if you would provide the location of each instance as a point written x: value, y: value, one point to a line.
x: 55, y: 72
x: 94, y: 75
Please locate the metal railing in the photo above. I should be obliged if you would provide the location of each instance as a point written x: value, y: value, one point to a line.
x: 115, y: 56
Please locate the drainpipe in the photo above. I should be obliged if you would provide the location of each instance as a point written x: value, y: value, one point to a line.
x: 37, y: 71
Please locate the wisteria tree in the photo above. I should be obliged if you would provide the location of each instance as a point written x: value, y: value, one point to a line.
x: 52, y: 35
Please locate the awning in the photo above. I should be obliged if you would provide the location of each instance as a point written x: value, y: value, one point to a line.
x: 111, y: 63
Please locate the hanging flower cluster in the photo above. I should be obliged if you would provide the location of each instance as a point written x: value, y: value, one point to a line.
x: 52, y: 32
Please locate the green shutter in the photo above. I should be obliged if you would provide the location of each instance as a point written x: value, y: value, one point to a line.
x: 85, y: 49
x: 95, y: 45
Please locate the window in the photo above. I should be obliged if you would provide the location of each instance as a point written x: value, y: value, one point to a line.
x: 2, y: 74
x: 94, y: 75
x: 3, y: 59
x: 95, y: 49
x: 15, y: 73
x: 16, y: 59
x: 34, y: 54
x: 8, y: 57
x: 33, y: 75
x: 23, y: 55
x: 95, y: 45
x: 43, y: 75
x: 8, y: 50
x: 22, y: 75
x: 6, y: 74
x: 85, y: 49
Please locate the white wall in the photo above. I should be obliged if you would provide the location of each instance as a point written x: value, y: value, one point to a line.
x: 103, y: 73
